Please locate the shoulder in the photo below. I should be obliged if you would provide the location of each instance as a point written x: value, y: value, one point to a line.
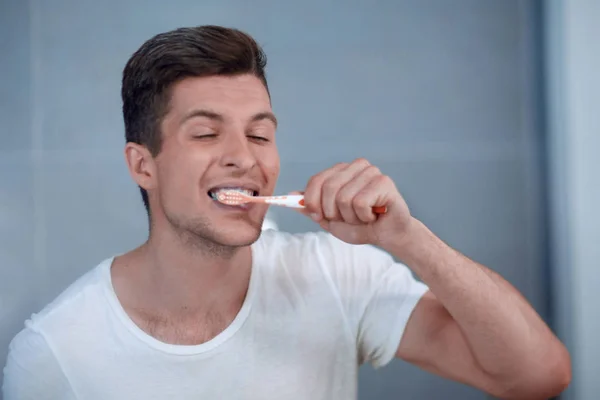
x: 32, y: 369
x: 29, y: 347
x: 34, y: 359
x: 72, y: 302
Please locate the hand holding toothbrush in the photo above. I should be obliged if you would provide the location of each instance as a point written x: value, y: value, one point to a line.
x: 347, y: 199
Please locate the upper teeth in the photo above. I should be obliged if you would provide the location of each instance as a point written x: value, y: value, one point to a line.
x: 241, y: 190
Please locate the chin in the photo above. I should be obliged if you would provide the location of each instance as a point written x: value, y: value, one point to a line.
x: 238, y: 232
x: 239, y: 236
x: 222, y: 232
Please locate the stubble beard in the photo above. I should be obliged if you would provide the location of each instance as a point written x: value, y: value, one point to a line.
x: 201, y: 236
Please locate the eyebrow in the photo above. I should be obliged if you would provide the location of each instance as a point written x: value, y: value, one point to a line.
x: 265, y: 115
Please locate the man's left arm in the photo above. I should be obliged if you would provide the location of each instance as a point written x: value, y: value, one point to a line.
x: 474, y: 327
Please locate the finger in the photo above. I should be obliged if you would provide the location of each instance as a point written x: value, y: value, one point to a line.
x: 376, y: 194
x: 300, y: 210
x: 334, y: 183
x: 312, y: 193
x: 346, y: 195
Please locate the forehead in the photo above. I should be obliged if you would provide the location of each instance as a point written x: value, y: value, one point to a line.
x: 241, y: 93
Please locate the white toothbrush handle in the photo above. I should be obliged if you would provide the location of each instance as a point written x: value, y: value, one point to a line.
x: 292, y: 201
x: 297, y: 201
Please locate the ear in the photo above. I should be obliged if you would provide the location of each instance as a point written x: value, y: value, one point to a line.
x: 141, y: 165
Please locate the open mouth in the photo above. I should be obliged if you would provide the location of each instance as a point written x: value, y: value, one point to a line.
x: 212, y: 193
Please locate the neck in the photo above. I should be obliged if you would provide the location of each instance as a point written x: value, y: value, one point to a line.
x: 180, y: 277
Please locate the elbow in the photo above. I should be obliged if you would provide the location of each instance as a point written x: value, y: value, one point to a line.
x: 557, y: 377
x: 560, y: 373
x: 549, y: 377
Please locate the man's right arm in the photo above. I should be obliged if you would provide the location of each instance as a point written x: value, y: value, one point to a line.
x: 32, y: 370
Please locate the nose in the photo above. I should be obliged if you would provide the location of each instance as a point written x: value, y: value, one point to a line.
x: 237, y: 153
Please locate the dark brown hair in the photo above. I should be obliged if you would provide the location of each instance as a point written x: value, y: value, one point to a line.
x: 170, y: 57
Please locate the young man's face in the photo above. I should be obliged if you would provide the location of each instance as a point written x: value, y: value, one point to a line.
x: 219, y: 132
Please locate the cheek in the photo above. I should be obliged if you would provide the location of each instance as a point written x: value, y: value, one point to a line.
x: 270, y: 166
x: 171, y: 180
x: 177, y: 174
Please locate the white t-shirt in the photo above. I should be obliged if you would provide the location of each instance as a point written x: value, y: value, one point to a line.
x: 316, y: 309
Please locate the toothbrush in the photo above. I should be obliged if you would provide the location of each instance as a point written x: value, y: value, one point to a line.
x: 235, y: 198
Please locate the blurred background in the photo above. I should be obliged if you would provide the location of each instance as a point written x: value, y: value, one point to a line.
x: 485, y: 113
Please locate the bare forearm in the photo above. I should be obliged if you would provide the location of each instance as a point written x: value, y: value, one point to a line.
x: 504, y: 333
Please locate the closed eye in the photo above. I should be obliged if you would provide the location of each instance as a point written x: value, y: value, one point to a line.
x: 259, y: 138
x: 207, y: 136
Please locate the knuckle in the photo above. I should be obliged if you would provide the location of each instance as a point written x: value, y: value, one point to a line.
x: 310, y: 203
x: 384, y: 180
x: 330, y: 212
x: 330, y: 185
x: 344, y: 199
x: 315, y: 180
x: 310, y: 199
x: 374, y: 170
x: 360, y: 201
x: 362, y: 162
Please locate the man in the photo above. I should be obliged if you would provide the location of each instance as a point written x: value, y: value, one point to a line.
x: 207, y: 309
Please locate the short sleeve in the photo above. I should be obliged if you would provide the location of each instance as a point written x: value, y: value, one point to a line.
x: 377, y: 295
x: 32, y: 371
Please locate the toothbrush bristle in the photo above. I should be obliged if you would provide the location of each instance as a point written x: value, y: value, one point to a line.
x: 231, y: 198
